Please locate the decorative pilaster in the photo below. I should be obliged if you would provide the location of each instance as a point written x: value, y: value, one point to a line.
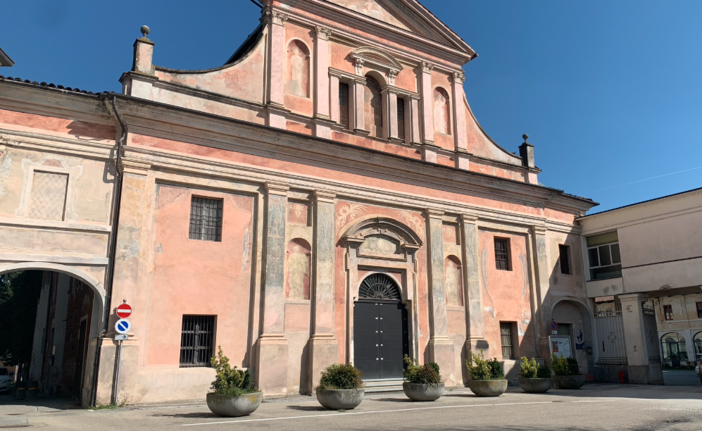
x: 321, y: 90
x: 334, y: 110
x: 324, y: 347
x: 540, y: 288
x: 272, y: 344
x: 441, y: 348
x: 359, y: 121
x: 475, y: 321
x: 414, y: 135
x: 276, y: 67
x: 459, y: 120
x: 427, y: 104
x: 635, y: 338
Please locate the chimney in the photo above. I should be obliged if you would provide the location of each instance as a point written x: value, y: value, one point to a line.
x: 526, y: 152
x: 143, y: 53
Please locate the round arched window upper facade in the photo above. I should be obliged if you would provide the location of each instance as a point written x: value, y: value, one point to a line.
x: 442, y: 111
x: 298, y: 70
x: 373, y: 107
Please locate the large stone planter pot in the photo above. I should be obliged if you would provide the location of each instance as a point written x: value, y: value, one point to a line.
x: 340, y: 399
x: 488, y: 388
x: 569, y: 382
x: 423, y: 392
x: 241, y: 405
x: 535, y: 386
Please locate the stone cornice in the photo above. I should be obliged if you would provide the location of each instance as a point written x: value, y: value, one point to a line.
x: 346, y: 76
x: 277, y: 188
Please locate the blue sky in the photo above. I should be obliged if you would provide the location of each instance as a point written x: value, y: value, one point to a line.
x: 609, y: 91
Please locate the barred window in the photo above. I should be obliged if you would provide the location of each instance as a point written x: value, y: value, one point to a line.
x: 502, y: 258
x: 344, y: 105
x: 206, y: 219
x: 507, y: 342
x: 48, y: 196
x: 564, y: 257
x: 196, y: 341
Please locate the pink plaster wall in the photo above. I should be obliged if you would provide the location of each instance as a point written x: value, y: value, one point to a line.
x: 407, y: 79
x: 445, y: 161
x: 376, y: 144
x: 59, y: 126
x: 340, y: 57
x: 296, y: 127
x: 516, y: 174
x: 506, y: 294
x: 185, y: 278
x: 242, y: 80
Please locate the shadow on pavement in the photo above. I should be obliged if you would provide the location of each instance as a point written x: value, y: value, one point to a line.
x: 41, y: 403
x: 308, y: 408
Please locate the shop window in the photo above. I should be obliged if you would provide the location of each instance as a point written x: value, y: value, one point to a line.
x: 196, y: 341
x: 603, y: 253
x: 674, y: 348
x: 344, y: 105
x: 206, y: 219
x: 564, y: 258
x: 506, y: 336
x: 668, y: 312
x: 502, y: 254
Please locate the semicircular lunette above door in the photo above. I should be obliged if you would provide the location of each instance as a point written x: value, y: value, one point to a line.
x: 380, y: 287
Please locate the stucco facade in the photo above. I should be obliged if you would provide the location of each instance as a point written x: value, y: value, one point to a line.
x: 320, y: 183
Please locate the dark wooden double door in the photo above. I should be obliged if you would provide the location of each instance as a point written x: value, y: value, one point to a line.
x: 380, y: 338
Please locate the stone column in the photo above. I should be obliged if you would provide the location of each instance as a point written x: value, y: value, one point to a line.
x: 540, y: 288
x: 321, y: 83
x: 475, y: 321
x: 427, y: 110
x: 272, y: 370
x: 414, y: 135
x: 441, y: 348
x: 358, y: 121
x: 459, y: 122
x: 276, y: 64
x: 392, y: 114
x: 324, y: 347
x: 635, y: 338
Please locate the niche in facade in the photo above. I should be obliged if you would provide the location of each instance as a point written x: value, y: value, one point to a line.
x: 442, y: 111
x: 453, y: 280
x: 297, y: 277
x: 298, y: 75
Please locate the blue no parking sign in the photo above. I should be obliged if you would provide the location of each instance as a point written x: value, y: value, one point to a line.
x: 123, y: 326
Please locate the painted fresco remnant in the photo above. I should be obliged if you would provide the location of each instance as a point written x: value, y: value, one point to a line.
x: 298, y: 269
x: 450, y: 236
x: 453, y: 280
x: 373, y: 107
x: 298, y: 76
x: 298, y: 212
x: 349, y: 212
x: 442, y: 111
x: 379, y: 245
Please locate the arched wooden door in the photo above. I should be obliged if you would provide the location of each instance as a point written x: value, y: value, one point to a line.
x: 380, y: 329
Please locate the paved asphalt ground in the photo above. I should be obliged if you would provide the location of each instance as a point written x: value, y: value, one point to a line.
x: 594, y: 407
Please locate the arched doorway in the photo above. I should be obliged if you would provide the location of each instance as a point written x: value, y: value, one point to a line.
x: 380, y: 329
x: 62, y: 312
x: 674, y: 349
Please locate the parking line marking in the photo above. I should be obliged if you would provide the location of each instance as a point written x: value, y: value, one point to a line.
x: 365, y: 413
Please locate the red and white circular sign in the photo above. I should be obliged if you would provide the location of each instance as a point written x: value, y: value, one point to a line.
x: 124, y: 311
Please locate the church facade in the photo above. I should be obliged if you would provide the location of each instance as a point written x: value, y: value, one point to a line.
x: 327, y: 195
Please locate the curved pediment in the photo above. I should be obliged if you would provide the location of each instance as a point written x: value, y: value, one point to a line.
x: 377, y: 58
x: 384, y: 230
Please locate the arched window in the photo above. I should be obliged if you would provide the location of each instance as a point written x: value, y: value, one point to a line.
x: 674, y: 348
x: 379, y: 286
x: 453, y: 281
x: 442, y: 111
x: 373, y: 107
x: 298, y: 74
x: 698, y: 345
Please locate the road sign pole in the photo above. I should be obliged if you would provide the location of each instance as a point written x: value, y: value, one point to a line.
x: 123, y: 326
x: 118, y: 368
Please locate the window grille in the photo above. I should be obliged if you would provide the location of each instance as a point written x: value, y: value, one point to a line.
x: 48, y: 196
x: 206, y: 219
x: 344, y: 105
x: 401, y: 118
x: 506, y: 336
x: 668, y: 312
x: 502, y: 258
x: 564, y: 258
x: 699, y: 310
x: 196, y: 341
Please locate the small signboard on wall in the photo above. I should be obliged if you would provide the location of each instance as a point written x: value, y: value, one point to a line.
x: 560, y: 346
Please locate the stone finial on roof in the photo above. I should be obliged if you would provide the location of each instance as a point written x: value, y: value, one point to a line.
x: 525, y: 137
x: 145, y: 30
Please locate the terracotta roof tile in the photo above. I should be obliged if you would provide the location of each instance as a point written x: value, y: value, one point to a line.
x: 44, y: 84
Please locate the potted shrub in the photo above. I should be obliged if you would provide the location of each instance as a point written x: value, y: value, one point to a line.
x: 422, y: 383
x: 232, y: 393
x: 567, y: 373
x: 340, y: 387
x: 533, y: 377
x: 487, y: 378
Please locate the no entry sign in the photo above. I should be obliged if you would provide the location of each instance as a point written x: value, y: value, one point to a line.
x: 124, y: 311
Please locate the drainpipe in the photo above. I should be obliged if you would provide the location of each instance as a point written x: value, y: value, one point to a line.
x: 116, y: 202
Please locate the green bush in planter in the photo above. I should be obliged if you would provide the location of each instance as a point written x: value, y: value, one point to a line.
x: 484, y: 369
x: 564, y: 366
x: 533, y: 370
x: 340, y: 376
x: 230, y: 381
x: 427, y: 374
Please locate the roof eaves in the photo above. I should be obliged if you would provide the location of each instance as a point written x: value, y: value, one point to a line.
x: 5, y: 59
x: 44, y: 85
